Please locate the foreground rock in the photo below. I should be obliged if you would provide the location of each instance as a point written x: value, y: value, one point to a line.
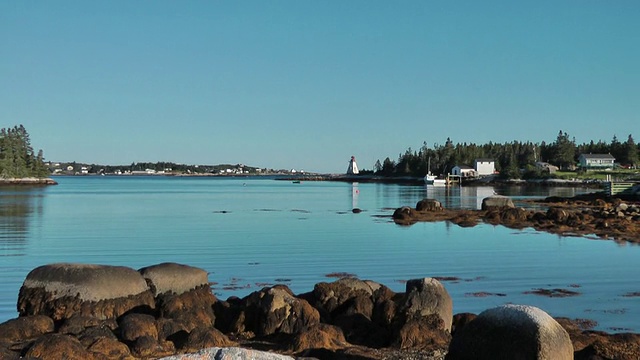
x: 606, y: 218
x: 346, y: 319
x: 511, y: 332
x: 63, y: 290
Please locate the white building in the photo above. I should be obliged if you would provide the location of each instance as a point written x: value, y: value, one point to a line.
x: 463, y: 171
x: 484, y: 166
x: 353, y: 167
x: 596, y: 161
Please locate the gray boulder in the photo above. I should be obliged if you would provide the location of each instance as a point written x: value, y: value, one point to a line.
x: 173, y: 278
x: 511, y: 332
x: 425, y: 297
x: 274, y: 310
x: 429, y: 205
x: 182, y: 293
x: 63, y: 290
x: 496, y: 202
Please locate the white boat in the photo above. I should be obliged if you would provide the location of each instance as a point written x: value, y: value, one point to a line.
x: 440, y: 182
x: 429, y: 178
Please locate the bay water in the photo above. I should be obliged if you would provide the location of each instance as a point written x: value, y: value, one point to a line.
x: 248, y: 233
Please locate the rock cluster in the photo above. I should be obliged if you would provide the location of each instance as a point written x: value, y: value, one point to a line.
x: 607, y: 218
x: 78, y: 311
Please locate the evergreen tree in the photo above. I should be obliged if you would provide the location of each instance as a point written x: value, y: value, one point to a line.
x: 17, y: 159
x: 564, y: 151
x: 617, y: 149
x: 631, y: 152
x: 388, y: 167
x: 378, y: 166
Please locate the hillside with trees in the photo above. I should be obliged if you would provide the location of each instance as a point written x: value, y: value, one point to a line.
x: 513, y: 159
x: 17, y: 158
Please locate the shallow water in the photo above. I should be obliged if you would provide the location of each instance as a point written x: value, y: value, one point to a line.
x: 248, y: 233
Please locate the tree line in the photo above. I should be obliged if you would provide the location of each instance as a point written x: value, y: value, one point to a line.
x: 17, y: 158
x: 514, y: 159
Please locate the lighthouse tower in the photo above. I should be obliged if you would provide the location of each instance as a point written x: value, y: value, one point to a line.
x: 353, y: 167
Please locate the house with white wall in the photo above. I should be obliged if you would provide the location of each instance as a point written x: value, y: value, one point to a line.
x: 463, y: 171
x: 484, y: 166
x: 596, y: 161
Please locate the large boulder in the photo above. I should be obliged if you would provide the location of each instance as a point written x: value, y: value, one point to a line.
x: 423, y: 317
x: 511, y: 332
x: 331, y: 298
x: 497, y: 201
x: 361, y: 308
x: 63, y: 290
x: 173, y: 278
x: 429, y: 205
x: 274, y: 310
x: 182, y: 293
x: 425, y: 297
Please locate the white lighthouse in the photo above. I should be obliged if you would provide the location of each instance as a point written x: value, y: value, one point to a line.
x: 353, y: 167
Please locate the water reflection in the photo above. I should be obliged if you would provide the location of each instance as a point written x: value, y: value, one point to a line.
x: 470, y: 197
x: 459, y: 197
x: 355, y: 192
x: 18, y: 204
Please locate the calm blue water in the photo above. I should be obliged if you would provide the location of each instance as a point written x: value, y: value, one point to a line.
x: 248, y: 233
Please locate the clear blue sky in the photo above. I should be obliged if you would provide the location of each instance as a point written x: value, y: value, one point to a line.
x: 307, y: 84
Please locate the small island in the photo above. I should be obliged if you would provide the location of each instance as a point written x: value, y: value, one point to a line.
x: 595, y: 215
x: 19, y: 164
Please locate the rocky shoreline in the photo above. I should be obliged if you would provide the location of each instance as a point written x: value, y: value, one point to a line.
x: 27, y: 181
x: 82, y: 311
x: 592, y: 215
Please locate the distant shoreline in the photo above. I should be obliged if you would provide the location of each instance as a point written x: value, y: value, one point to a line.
x: 405, y: 180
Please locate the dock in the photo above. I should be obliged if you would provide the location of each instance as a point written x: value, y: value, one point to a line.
x: 613, y: 188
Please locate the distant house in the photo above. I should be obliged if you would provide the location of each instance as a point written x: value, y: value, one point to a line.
x: 546, y: 167
x: 596, y: 161
x: 484, y: 166
x: 463, y: 171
